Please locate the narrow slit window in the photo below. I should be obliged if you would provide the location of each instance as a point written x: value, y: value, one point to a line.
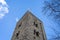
x: 36, y: 25
x: 40, y: 23
x: 34, y: 37
x: 37, y: 34
x: 19, y: 25
x: 34, y: 31
x: 17, y: 34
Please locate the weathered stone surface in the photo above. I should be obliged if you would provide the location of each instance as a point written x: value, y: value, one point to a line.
x: 29, y: 28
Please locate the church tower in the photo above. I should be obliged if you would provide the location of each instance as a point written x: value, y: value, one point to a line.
x: 29, y: 27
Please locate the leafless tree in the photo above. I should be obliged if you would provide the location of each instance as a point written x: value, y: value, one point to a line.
x: 52, y: 8
x: 57, y: 36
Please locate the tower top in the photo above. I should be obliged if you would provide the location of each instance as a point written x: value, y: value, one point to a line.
x: 27, y: 14
x: 29, y: 28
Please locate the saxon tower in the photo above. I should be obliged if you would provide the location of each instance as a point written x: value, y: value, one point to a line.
x: 29, y: 27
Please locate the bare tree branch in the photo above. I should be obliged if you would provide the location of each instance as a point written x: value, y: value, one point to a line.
x: 54, y: 7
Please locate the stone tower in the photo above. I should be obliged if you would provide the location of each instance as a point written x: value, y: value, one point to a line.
x: 29, y: 27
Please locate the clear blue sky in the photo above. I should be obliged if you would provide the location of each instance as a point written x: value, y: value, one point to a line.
x: 17, y: 9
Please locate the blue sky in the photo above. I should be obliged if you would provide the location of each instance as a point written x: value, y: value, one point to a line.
x: 17, y: 9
